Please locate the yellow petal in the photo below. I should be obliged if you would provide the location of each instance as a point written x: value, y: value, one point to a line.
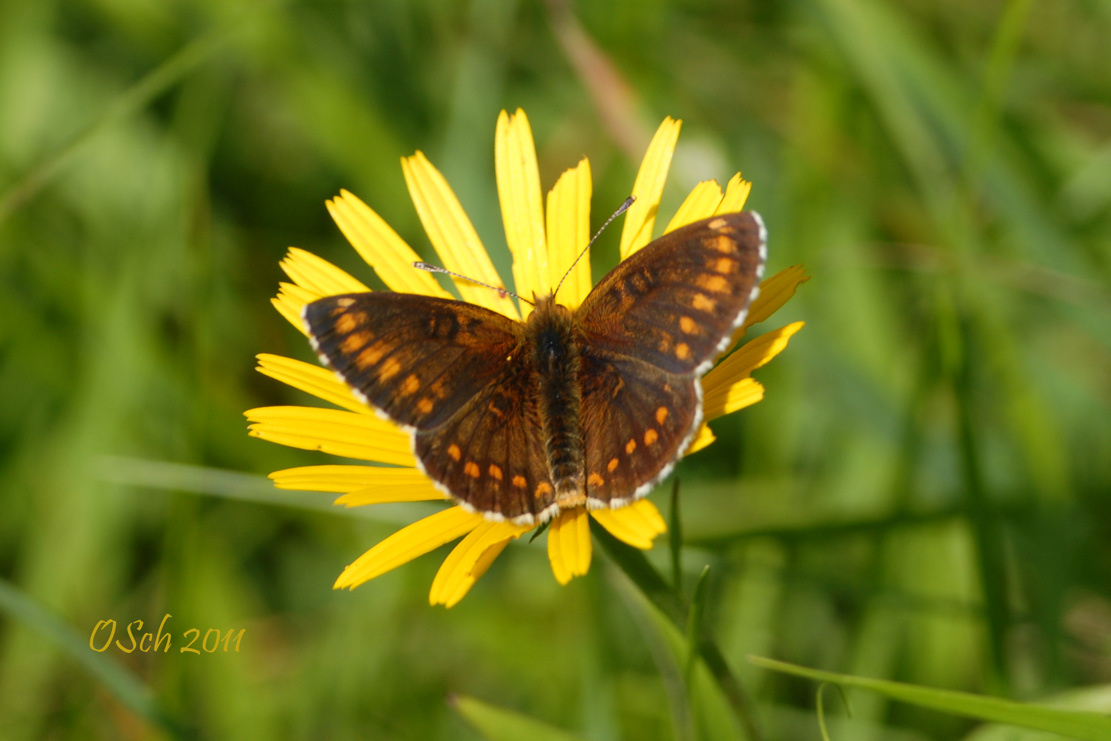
x: 469, y: 560
x: 410, y: 486
x: 700, y: 203
x: 289, y: 305
x: 317, y: 275
x: 569, y: 233
x: 360, y: 484
x: 649, y: 186
x: 736, y: 193
x: 638, y: 524
x: 453, y: 236
x: 727, y: 399
x: 463, y: 585
x: 750, y: 356
x: 351, y: 435
x: 703, y: 439
x: 484, y: 561
x: 774, y: 292
x: 569, y: 546
x: 522, y: 207
x: 312, y: 379
x: 409, y: 543
x: 728, y: 387
x: 381, y: 247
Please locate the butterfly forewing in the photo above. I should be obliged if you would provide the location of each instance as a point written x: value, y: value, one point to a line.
x: 418, y: 359
x: 672, y: 303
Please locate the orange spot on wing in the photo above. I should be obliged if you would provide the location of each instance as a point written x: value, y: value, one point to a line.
x: 543, y: 489
x: 390, y: 369
x: 702, y: 303
x: 520, y: 482
x: 724, y: 265
x: 717, y: 224
x: 612, y: 465
x: 724, y: 244
x: 454, y: 451
x: 348, y: 323
x: 714, y: 283
x: 661, y: 414
x: 688, y: 325
x: 595, y: 479
x: 650, y: 436
x: 425, y: 405
x: 495, y: 472
x: 354, y: 343
x: 471, y: 469
x: 682, y: 351
x: 368, y: 357
x: 410, y: 385
x: 630, y: 446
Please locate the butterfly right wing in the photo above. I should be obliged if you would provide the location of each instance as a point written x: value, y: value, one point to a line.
x: 456, y: 376
x: 676, y: 302
x: 652, y: 327
x: 637, y: 420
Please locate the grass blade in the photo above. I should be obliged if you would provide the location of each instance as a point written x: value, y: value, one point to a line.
x: 498, y: 724
x: 117, y: 679
x: 1071, y: 723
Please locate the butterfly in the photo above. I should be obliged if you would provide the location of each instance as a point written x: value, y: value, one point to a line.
x: 519, y: 420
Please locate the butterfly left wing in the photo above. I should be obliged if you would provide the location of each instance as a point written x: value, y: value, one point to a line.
x: 490, y: 454
x: 456, y: 375
x: 419, y: 359
x: 651, y: 328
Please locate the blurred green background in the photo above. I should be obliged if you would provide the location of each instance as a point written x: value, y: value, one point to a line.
x: 924, y: 495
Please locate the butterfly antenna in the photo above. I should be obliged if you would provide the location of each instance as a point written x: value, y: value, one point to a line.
x: 503, y: 292
x: 620, y: 210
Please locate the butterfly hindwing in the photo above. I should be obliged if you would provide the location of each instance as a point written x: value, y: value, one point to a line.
x: 490, y: 454
x: 419, y: 359
x: 636, y: 419
x: 673, y: 303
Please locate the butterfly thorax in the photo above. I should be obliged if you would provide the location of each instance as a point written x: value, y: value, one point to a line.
x: 556, y: 343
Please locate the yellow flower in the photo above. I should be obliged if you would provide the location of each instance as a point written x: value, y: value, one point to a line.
x: 544, y: 244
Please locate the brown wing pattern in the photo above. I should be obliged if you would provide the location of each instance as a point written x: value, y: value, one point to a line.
x: 636, y: 418
x: 419, y: 359
x: 490, y: 455
x: 651, y: 328
x: 458, y: 375
x: 673, y: 303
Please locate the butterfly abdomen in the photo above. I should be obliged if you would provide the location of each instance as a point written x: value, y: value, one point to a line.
x: 556, y: 359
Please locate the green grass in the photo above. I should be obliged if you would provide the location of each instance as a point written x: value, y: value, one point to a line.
x: 924, y: 496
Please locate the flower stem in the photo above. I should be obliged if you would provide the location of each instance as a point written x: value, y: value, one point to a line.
x: 676, y: 607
